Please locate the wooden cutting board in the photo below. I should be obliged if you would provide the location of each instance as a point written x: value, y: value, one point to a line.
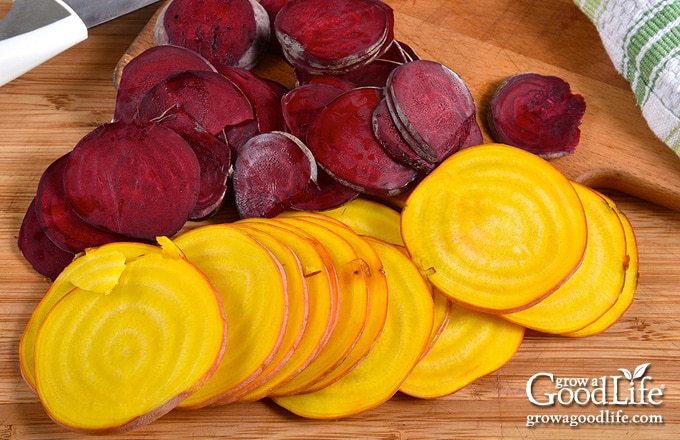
x: 485, y: 47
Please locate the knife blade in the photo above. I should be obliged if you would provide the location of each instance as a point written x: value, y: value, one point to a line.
x: 34, y: 31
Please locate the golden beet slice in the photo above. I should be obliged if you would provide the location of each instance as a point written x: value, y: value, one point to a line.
x: 404, y: 337
x: 251, y: 283
x: 101, y: 265
x: 495, y: 227
x: 472, y: 345
x: 596, y: 284
x: 625, y: 298
x: 368, y: 217
x: 110, y: 362
x: 442, y: 314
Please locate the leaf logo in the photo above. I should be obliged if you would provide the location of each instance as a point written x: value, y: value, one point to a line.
x: 636, y: 374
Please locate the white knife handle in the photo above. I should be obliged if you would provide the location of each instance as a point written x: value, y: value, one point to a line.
x: 23, y: 52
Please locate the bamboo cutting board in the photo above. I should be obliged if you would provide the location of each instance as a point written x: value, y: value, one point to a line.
x: 45, y: 112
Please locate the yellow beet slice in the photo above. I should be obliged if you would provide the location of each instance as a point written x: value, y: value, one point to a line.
x: 595, y: 285
x: 353, y: 277
x: 368, y: 217
x: 495, y: 227
x: 442, y: 314
x: 101, y: 265
x: 322, y: 296
x: 472, y: 345
x: 112, y: 362
x: 625, y: 298
x: 252, y: 286
x: 378, y: 376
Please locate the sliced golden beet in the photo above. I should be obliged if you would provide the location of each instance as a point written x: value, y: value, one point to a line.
x: 625, y: 298
x: 322, y: 293
x: 110, y: 362
x: 595, y: 285
x: 472, y: 345
x: 442, y: 314
x: 495, y: 227
x: 252, y: 285
x: 397, y: 349
x: 102, y: 265
x: 353, y: 277
x: 368, y: 217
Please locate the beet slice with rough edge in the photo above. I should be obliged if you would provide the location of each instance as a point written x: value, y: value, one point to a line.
x: 537, y: 113
x: 44, y: 256
x: 225, y: 32
x: 208, y: 98
x: 270, y: 172
x: 135, y: 178
x: 432, y: 105
x: 325, y: 193
x: 301, y: 105
x: 147, y: 69
x: 342, y: 140
x: 57, y: 217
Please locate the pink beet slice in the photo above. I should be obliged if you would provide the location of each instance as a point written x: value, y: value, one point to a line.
x: 147, y: 69
x: 342, y: 140
x: 42, y: 254
x: 270, y: 172
x: 301, y: 105
x: 225, y: 32
x: 325, y: 193
x: 60, y: 222
x: 432, y: 106
x: 137, y: 178
x: 537, y: 113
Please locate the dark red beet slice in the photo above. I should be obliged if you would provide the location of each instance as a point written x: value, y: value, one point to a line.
x: 137, y: 178
x: 373, y: 74
x: 147, y: 69
x: 434, y: 107
x: 329, y: 39
x: 537, y: 113
x: 325, y: 193
x: 301, y: 105
x: 270, y: 172
x: 303, y: 77
x: 42, y: 254
x: 342, y: 140
x: 225, y: 32
x: 57, y: 217
x: 209, y: 98
x: 400, y: 52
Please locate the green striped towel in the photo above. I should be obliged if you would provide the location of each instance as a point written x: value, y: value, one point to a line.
x: 642, y: 38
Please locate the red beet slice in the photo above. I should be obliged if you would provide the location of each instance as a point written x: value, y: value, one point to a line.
x: 342, y: 140
x: 432, y: 105
x: 475, y: 137
x: 537, y: 113
x: 225, y: 32
x: 133, y: 178
x: 60, y: 222
x: 147, y: 69
x: 303, y: 77
x: 301, y: 105
x: 42, y: 254
x: 270, y: 172
x: 325, y: 193
x: 208, y: 98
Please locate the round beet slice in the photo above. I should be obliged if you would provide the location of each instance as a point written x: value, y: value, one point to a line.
x: 325, y: 193
x: 342, y: 140
x: 537, y: 113
x: 133, y: 178
x: 301, y: 105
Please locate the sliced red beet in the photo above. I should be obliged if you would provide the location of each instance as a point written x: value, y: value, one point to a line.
x: 209, y: 98
x: 342, y: 140
x: 325, y: 193
x: 475, y: 136
x: 147, y: 69
x: 303, y: 77
x: 42, y: 254
x: 225, y: 32
x: 60, y: 222
x: 136, y: 178
x: 537, y: 113
x: 301, y: 105
x: 400, y: 52
x: 270, y: 172
x: 330, y: 39
x: 432, y: 106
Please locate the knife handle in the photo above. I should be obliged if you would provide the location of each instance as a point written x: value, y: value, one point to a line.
x: 23, y: 52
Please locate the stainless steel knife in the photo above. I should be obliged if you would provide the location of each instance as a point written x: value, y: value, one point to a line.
x: 33, y: 31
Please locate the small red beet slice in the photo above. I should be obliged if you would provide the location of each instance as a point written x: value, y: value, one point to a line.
x: 303, y: 77
x: 270, y: 172
x: 342, y: 140
x: 301, y: 105
x: 137, y: 178
x: 537, y: 113
x: 147, y: 69
x: 325, y: 193
x: 42, y: 254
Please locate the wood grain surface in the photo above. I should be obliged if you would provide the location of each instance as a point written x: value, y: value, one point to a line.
x: 45, y: 112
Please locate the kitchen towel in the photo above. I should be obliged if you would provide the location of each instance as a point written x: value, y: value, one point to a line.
x: 642, y: 38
